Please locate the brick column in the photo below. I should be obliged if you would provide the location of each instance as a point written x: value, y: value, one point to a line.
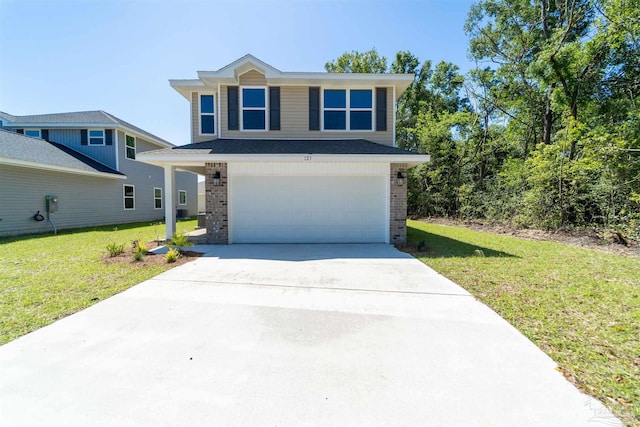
x: 398, y: 204
x: 216, y: 196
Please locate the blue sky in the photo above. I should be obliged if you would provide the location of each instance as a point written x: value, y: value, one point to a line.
x: 117, y: 56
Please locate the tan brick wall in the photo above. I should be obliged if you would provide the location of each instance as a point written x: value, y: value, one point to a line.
x: 216, y: 205
x: 398, y: 204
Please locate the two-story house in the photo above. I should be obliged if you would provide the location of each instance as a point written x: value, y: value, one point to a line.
x: 88, y: 160
x: 294, y: 157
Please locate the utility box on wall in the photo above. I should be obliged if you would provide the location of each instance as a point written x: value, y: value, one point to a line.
x: 52, y: 203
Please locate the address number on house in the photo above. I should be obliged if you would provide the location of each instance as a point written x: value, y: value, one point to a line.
x: 307, y: 158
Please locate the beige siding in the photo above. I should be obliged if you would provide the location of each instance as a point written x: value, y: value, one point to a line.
x: 253, y: 78
x: 294, y: 119
x: 195, y: 119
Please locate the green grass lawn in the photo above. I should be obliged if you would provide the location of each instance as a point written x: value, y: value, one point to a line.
x: 45, y: 277
x: 580, y: 306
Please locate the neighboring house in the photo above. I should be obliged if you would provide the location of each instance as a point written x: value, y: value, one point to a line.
x: 295, y: 157
x: 88, y: 160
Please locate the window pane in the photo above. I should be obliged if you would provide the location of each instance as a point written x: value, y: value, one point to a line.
x: 96, y: 141
x: 206, y: 104
x: 253, y: 119
x: 158, y: 203
x: 207, y: 124
x: 360, y: 99
x: 335, y: 120
x: 157, y: 192
x: 131, y: 153
x: 131, y: 141
x: 360, y: 120
x: 35, y: 133
x: 128, y: 191
x: 253, y: 98
x: 96, y: 133
x: 128, y: 202
x: 182, y: 197
x: 335, y: 99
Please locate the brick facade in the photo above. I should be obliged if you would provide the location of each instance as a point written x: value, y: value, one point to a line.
x: 216, y: 205
x: 398, y: 204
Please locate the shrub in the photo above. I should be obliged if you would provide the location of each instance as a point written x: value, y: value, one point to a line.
x: 139, y: 250
x: 179, y: 242
x: 421, y: 246
x: 172, y: 256
x: 115, y: 249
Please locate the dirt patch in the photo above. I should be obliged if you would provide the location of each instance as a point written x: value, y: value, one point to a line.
x: 600, y: 240
x: 150, y: 258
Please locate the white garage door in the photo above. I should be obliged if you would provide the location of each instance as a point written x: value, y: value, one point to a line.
x: 308, y: 209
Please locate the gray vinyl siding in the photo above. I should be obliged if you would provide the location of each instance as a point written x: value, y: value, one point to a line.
x: 71, y: 137
x: 83, y: 200
x: 146, y: 177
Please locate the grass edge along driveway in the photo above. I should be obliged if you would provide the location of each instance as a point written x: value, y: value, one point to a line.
x: 580, y: 306
x: 45, y: 277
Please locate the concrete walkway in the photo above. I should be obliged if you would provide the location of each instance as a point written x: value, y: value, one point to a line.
x: 288, y: 335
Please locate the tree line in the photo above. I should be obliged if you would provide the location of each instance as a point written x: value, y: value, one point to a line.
x: 543, y: 132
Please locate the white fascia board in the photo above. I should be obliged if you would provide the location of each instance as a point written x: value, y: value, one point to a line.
x: 196, y: 159
x: 185, y: 87
x: 41, y: 166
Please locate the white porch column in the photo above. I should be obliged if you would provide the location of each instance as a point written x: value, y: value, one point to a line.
x: 170, y: 199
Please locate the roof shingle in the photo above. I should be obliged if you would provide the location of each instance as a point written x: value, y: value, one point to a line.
x: 35, y: 150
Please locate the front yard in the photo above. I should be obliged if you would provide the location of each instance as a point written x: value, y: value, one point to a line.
x: 45, y: 277
x: 580, y: 306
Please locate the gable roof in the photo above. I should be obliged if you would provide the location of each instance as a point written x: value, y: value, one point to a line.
x: 97, y: 118
x: 230, y: 75
x: 26, y: 151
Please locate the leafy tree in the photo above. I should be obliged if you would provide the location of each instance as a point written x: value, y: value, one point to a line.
x: 358, y: 62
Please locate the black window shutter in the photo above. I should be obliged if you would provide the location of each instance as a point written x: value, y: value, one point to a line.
x: 20, y: 131
x: 83, y: 137
x: 381, y: 109
x: 108, y: 136
x: 274, y: 108
x: 314, y: 108
x: 44, y: 134
x: 233, y: 122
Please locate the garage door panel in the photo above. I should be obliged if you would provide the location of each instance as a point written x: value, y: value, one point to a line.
x: 306, y: 209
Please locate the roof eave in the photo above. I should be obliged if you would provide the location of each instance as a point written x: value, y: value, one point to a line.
x: 197, y: 159
x: 42, y: 166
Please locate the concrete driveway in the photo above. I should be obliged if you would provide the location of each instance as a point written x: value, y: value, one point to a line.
x: 288, y: 335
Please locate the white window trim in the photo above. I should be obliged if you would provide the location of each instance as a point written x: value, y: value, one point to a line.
x: 265, y: 109
x: 32, y: 130
x: 104, y: 137
x: 347, y: 110
x: 200, y: 114
x: 126, y: 147
x: 124, y: 205
x: 185, y: 197
x: 156, y: 198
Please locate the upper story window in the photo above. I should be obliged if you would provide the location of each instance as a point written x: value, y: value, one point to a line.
x: 348, y: 109
x: 207, y: 115
x: 32, y: 132
x: 254, y: 108
x: 96, y: 136
x: 130, y: 146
